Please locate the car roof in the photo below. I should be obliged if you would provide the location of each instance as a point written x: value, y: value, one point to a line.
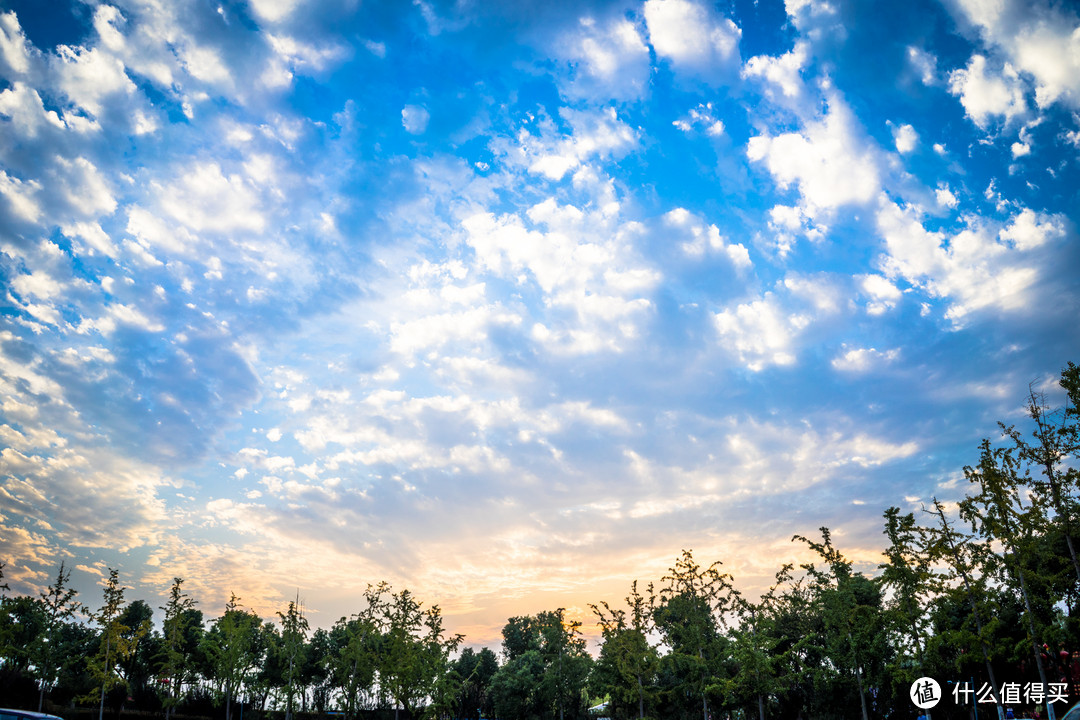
x: 28, y: 714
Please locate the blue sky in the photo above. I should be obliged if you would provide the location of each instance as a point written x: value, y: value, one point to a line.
x: 511, y: 302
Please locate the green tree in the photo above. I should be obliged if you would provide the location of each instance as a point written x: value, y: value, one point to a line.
x: 963, y: 557
x: 515, y: 688
x: 851, y: 610
x: 754, y: 643
x: 416, y: 651
x: 24, y: 622
x: 232, y: 650
x: 1055, y: 440
x: 316, y: 670
x: 908, y: 574
x: 475, y: 672
x: 118, y: 641
x: 567, y: 664
x: 687, y: 612
x: 356, y: 641
x: 626, y: 670
x: 546, y: 668
x: 60, y: 606
x: 179, y: 619
x: 997, y: 513
x: 294, y: 629
x: 141, y: 666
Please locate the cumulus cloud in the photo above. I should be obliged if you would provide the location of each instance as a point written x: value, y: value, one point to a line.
x: 584, y: 264
x: 924, y: 63
x: 883, y: 295
x: 594, y: 135
x: 1038, y: 39
x: 693, y: 38
x: 828, y: 161
x: 859, y: 360
x: 611, y: 59
x: 699, y: 239
x: 906, y: 139
x: 974, y: 268
x: 986, y: 94
x: 782, y: 73
x: 761, y: 332
x: 414, y: 119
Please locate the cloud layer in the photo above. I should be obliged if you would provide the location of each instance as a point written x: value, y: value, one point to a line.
x: 511, y: 307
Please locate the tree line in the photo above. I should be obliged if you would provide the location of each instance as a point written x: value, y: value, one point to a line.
x: 983, y: 592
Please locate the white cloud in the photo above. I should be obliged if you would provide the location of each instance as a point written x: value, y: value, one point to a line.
x: 90, y: 77
x: 21, y: 195
x: 14, y: 50
x: 692, y: 37
x: 699, y: 239
x: 882, y: 293
x: 414, y: 119
x: 924, y: 63
x: 84, y: 188
x: 984, y: 94
x: 781, y: 72
x: 761, y: 332
x: 304, y: 56
x: 826, y: 297
x: 945, y: 197
x: 598, y: 135
x: 828, y: 161
x: 205, y: 199
x: 106, y: 501
x: 701, y: 117
x: 906, y: 139
x: 1029, y: 230
x: 583, y: 263
x: 1040, y: 39
x: 275, y: 11
x: 860, y: 360
x: 27, y: 113
x: 612, y: 60
x: 972, y: 268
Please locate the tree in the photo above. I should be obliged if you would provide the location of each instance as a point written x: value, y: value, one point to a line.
x: 963, y: 558
x: 118, y: 641
x: 355, y: 661
x: 179, y: 618
x: 628, y: 662
x: 315, y: 672
x: 474, y: 671
x: 59, y: 604
x: 997, y: 512
x: 414, y: 666
x: 907, y: 573
x: 850, y: 606
x: 687, y: 613
x: 754, y: 643
x: 1056, y: 439
x: 515, y: 687
x: 140, y: 667
x: 545, y: 670
x: 231, y: 650
x: 294, y: 628
x: 567, y: 663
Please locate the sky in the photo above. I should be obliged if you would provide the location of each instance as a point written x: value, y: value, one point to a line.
x: 510, y: 302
